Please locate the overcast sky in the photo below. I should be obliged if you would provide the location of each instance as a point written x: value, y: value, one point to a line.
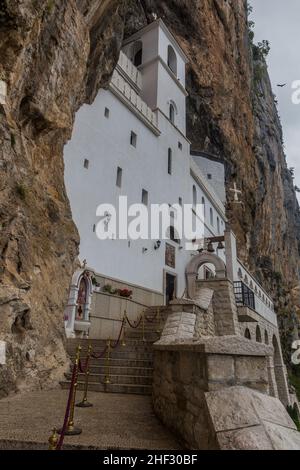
x: 279, y: 22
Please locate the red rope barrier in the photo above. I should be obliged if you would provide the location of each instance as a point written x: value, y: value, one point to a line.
x: 136, y: 325
x: 119, y: 338
x: 83, y: 369
x: 67, y: 413
x: 99, y: 356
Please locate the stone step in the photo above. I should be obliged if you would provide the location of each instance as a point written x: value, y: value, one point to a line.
x: 115, y: 378
x: 120, y: 350
x: 122, y: 370
x: 111, y: 388
x: 123, y: 354
x: 129, y: 341
x: 123, y: 362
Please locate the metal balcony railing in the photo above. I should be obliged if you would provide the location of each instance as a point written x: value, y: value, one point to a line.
x: 244, y: 296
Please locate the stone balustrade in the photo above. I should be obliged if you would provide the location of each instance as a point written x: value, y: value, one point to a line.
x: 123, y: 86
x: 131, y: 71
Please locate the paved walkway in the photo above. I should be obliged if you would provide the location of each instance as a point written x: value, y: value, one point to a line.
x: 115, y: 422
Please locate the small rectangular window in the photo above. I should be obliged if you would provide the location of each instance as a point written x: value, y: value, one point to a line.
x: 209, y: 176
x: 180, y: 201
x: 173, y: 235
x: 170, y: 161
x: 180, y: 145
x: 94, y: 228
x: 119, y: 177
x: 145, y: 197
x: 106, y: 113
x: 86, y: 163
x: 133, y: 139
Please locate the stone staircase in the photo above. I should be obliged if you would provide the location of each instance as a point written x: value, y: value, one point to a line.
x: 131, y: 366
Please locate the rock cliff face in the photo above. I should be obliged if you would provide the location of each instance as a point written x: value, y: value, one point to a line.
x: 55, y: 55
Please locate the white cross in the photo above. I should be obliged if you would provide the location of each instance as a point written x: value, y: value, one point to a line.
x: 236, y: 192
x: 3, y: 92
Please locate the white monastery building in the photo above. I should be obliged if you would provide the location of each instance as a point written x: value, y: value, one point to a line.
x: 132, y: 142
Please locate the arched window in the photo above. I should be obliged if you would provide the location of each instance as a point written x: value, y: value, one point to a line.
x: 247, y: 334
x: 194, y: 196
x: 211, y: 216
x: 172, y: 113
x: 258, y: 335
x: 172, y: 60
x: 170, y: 161
x: 266, y: 337
x: 173, y: 234
x: 203, y: 202
x: 138, y: 53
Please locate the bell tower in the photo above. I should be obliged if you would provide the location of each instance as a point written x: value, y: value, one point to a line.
x: 162, y: 62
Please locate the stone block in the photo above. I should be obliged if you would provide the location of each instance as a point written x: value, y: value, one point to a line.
x: 251, y: 369
x: 253, y: 438
x: 282, y: 438
x: 272, y: 410
x: 220, y: 368
x: 231, y: 408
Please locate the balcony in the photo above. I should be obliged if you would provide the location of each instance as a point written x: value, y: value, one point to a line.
x: 130, y: 70
x: 122, y: 87
x: 244, y: 296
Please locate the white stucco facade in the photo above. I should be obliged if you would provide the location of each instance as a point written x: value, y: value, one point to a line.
x: 137, y: 101
x: 121, y: 146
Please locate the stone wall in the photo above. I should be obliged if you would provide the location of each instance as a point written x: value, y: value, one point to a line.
x: 224, y: 306
x: 262, y: 331
x: 207, y: 393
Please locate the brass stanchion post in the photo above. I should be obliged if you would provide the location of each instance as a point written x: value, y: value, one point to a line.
x: 71, y: 429
x: 124, y: 330
x: 107, y: 376
x: 53, y: 440
x: 84, y: 403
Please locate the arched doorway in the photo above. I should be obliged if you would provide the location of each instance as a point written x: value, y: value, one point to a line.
x: 258, y: 335
x: 247, y: 334
x: 138, y: 53
x: 77, y: 313
x: 195, y: 264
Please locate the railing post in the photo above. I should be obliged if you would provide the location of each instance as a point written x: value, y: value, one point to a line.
x: 71, y: 429
x: 124, y: 330
x: 84, y: 403
x: 53, y: 440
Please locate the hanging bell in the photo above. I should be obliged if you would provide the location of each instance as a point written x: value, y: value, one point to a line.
x: 210, y: 248
x: 221, y: 246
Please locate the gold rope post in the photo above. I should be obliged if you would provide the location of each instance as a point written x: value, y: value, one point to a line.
x: 84, y: 403
x: 53, y: 440
x: 107, y: 376
x: 71, y: 429
x: 124, y: 330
